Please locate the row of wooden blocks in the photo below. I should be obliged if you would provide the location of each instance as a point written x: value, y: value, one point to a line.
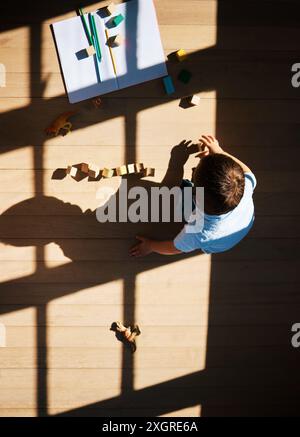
x: 94, y: 171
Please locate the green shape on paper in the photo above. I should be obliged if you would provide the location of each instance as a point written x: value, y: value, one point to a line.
x: 117, y: 20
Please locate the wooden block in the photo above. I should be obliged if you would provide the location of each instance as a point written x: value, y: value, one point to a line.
x: 115, y: 40
x: 149, y: 171
x: 184, y: 76
x: 72, y: 171
x: 139, y: 167
x: 117, y: 20
x: 131, y: 168
x: 121, y: 171
x: 110, y: 9
x: 94, y: 171
x: 168, y: 84
x: 84, y: 167
x: 107, y: 173
x: 194, y: 100
x: 181, y: 55
x: 90, y: 51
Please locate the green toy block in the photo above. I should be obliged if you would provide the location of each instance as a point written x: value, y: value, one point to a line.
x: 184, y: 76
x: 117, y: 20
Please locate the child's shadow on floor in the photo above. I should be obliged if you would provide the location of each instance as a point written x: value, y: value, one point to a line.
x: 99, y: 252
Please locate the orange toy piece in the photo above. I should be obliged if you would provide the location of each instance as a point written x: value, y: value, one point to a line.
x: 61, y: 122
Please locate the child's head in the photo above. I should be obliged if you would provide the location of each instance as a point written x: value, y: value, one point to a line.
x: 223, y: 181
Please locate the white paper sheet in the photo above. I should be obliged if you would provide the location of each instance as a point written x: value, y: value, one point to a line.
x: 139, y: 59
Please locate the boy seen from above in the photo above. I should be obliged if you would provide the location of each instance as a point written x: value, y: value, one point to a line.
x: 228, y: 204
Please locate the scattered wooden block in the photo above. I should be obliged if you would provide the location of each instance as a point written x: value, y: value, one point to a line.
x: 149, y: 171
x: 130, y: 168
x: 193, y: 100
x: 84, y: 167
x: 90, y: 51
x: 168, y: 84
x: 181, y: 55
x: 72, y: 171
x: 139, y: 167
x: 121, y: 171
x: 110, y: 9
x: 115, y: 40
x: 184, y: 76
x: 94, y: 171
x: 107, y: 172
x: 117, y: 20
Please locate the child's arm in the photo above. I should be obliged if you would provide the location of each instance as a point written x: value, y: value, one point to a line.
x: 146, y: 246
x: 211, y: 145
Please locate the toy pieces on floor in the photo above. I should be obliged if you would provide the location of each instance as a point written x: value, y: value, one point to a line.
x: 139, y: 167
x: 91, y: 169
x: 107, y: 172
x: 122, y: 170
x: 94, y: 171
x: 130, y: 168
x: 149, y: 171
x: 84, y: 167
x: 126, y: 334
x: 72, y: 171
x: 168, y: 84
x: 184, y: 76
x: 181, y: 55
x: 193, y: 100
x: 60, y: 123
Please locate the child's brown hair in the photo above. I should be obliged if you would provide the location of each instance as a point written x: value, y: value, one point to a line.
x: 223, y: 180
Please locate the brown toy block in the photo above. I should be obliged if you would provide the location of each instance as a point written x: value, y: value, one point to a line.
x: 121, y: 171
x: 72, y: 171
x: 139, y: 167
x: 84, y: 167
x: 149, y: 171
x: 194, y: 100
x: 110, y: 9
x: 107, y: 173
x: 130, y: 168
x: 115, y: 40
x: 181, y: 55
x: 90, y: 51
x: 94, y: 171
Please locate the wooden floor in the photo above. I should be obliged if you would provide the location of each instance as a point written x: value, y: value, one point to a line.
x: 216, y: 330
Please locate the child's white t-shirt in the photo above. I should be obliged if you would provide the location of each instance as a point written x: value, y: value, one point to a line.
x: 222, y: 232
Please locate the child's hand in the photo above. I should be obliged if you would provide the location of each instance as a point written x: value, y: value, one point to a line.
x: 142, y: 248
x: 209, y: 145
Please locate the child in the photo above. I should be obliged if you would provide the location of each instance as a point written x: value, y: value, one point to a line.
x: 228, y: 205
